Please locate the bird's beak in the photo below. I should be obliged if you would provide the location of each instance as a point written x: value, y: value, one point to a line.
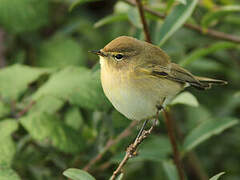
x: 98, y: 52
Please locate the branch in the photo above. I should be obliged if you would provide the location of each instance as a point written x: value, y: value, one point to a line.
x: 192, y: 161
x: 109, y: 144
x: 132, y: 149
x: 174, y: 144
x: 144, y: 22
x: 195, y: 166
x: 209, y: 32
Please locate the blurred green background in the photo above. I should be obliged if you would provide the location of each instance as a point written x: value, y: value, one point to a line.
x: 54, y: 115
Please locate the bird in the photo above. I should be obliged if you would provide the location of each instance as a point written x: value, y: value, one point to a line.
x: 138, y: 77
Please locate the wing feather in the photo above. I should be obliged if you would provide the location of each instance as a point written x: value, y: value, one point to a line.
x: 174, y: 73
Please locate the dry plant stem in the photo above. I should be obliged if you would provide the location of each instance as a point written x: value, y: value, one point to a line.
x: 132, y: 149
x: 214, y: 34
x: 174, y: 144
x: 209, y: 32
x: 126, y: 132
x: 144, y: 22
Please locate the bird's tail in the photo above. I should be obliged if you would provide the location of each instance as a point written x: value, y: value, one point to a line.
x: 206, y: 83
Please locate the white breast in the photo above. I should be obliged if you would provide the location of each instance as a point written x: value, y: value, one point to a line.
x: 136, y: 99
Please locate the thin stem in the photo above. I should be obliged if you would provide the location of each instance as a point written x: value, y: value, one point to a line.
x: 195, y: 166
x: 144, y: 22
x: 25, y: 110
x: 174, y: 144
x: 126, y: 132
x: 209, y: 32
x: 192, y: 161
x: 132, y: 149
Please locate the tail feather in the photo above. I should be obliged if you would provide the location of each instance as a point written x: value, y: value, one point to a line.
x: 181, y: 75
x: 206, y: 83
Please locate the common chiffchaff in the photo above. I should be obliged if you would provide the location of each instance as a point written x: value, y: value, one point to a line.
x: 137, y: 77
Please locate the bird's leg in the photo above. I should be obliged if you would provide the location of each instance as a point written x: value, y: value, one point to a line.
x: 159, y: 108
x: 142, y: 128
x: 132, y: 148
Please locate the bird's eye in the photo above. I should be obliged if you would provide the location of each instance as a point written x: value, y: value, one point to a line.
x: 118, y: 57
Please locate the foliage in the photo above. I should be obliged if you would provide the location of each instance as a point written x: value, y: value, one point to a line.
x: 217, y: 176
x: 175, y: 20
x: 77, y: 174
x: 55, y: 118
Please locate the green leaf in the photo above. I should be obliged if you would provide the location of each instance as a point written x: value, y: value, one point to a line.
x: 4, y: 109
x: 80, y: 86
x: 175, y: 20
x: 7, y: 127
x: 121, y: 7
x: 49, y: 129
x: 134, y: 17
x: 195, y: 116
x: 119, y: 120
x: 7, y: 148
x: 205, y: 130
x: 185, y: 98
x: 209, y: 4
x: 48, y: 104
x: 7, y: 173
x: 111, y: 19
x: 182, y: 1
x: 15, y: 79
x: 60, y: 51
x: 77, y: 174
x: 7, y: 151
x: 205, y: 51
x: 23, y: 16
x: 170, y: 170
x: 120, y: 177
x: 79, y: 2
x: 217, y: 176
x: 237, y: 94
x: 169, y: 5
x: 218, y: 14
x: 234, y: 20
x: 161, y: 149
x: 73, y: 118
x: 204, y: 64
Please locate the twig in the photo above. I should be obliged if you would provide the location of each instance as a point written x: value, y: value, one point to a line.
x: 195, y: 166
x: 192, y: 161
x: 109, y: 144
x: 104, y: 166
x: 174, y: 144
x: 25, y: 110
x: 144, y: 22
x: 132, y: 149
x: 209, y: 32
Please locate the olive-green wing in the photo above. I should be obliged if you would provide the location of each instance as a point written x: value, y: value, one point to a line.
x: 176, y: 73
